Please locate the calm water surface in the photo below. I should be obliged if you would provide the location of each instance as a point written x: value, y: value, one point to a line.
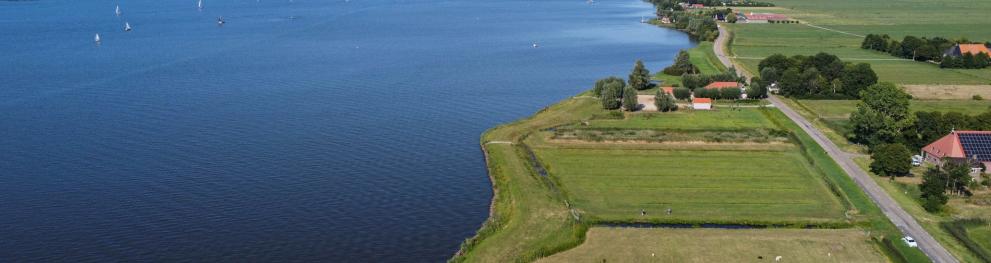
x: 349, y: 133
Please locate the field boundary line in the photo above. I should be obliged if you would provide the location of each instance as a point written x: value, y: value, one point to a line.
x: 834, y: 30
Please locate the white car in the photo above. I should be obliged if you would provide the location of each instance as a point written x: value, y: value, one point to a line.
x: 910, y: 241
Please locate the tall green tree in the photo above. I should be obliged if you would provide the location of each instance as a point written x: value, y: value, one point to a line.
x: 891, y: 160
x: 610, y: 95
x: 665, y: 102
x: 881, y: 115
x: 933, y: 189
x: 857, y: 77
x: 640, y: 77
x: 630, y: 99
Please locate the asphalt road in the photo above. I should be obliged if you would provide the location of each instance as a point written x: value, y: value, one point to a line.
x: 905, y: 222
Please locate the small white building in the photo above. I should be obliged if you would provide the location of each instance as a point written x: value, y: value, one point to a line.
x: 702, y: 103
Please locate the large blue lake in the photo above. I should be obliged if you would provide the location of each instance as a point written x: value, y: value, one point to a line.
x: 348, y: 132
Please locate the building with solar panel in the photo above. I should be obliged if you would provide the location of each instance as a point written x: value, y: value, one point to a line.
x: 961, y: 146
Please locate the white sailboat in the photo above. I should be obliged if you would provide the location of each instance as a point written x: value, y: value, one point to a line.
x: 220, y: 21
x: 97, y: 38
x: 117, y: 10
x: 642, y: 20
x: 127, y: 27
x: 199, y: 4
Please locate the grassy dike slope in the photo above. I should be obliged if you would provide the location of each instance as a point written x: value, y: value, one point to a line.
x: 529, y: 218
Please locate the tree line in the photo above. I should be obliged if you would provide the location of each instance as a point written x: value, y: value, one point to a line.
x: 699, y: 24
x: 926, y: 49
x: 820, y: 76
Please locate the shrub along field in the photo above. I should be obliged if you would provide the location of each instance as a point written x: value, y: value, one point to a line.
x: 950, y: 19
x: 731, y: 187
x: 610, y: 244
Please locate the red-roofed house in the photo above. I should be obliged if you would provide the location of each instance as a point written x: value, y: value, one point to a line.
x: 961, y: 146
x: 702, y: 103
x: 696, y: 6
x: 972, y: 49
x: 668, y: 90
x: 723, y: 85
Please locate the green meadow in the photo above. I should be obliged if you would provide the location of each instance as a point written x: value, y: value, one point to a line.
x: 949, y: 19
x: 700, y: 186
x: 745, y: 118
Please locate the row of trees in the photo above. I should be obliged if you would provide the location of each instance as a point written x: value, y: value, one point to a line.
x: 927, y: 49
x: 822, y: 75
x: 716, y: 93
x: 927, y: 127
x: 911, y: 47
x: 696, y: 81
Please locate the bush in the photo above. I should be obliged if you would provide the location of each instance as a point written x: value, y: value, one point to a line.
x: 682, y: 93
x: 977, y: 97
x: 729, y: 93
x: 891, y: 160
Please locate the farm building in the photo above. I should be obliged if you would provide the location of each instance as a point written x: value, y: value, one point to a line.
x: 668, y: 90
x: 961, y: 146
x: 761, y: 18
x: 702, y: 103
x: 960, y: 49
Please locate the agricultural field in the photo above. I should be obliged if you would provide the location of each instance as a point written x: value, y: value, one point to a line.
x: 845, y: 23
x: 699, y: 186
x: 611, y: 244
x: 726, y: 119
x: 831, y: 109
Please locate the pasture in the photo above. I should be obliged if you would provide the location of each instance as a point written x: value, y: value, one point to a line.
x: 951, y: 19
x: 610, y: 244
x: 699, y: 186
x: 841, y: 109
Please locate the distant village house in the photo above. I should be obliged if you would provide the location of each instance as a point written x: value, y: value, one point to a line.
x: 960, y: 49
x: 727, y: 85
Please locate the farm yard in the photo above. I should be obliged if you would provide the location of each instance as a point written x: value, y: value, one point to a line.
x: 616, y: 244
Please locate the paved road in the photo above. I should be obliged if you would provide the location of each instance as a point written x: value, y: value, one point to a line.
x: 905, y: 222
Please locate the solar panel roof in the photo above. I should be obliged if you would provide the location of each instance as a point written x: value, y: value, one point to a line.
x: 976, y: 144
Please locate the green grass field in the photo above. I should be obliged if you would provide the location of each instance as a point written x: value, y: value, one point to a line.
x: 841, y: 109
x: 607, y: 244
x: 950, y: 19
x: 724, y: 119
x: 700, y: 186
x: 981, y: 235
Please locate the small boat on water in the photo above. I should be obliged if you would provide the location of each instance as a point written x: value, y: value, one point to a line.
x: 220, y: 21
x: 642, y: 20
x: 97, y: 38
x: 199, y: 4
x: 117, y: 10
x: 127, y: 27
x: 535, y: 45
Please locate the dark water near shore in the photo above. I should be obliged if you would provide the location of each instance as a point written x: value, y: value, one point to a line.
x: 347, y: 134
